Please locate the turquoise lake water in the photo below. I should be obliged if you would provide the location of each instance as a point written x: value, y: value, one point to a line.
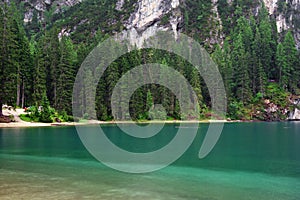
x: 250, y: 161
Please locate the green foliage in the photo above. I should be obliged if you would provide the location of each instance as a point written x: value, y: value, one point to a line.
x: 45, y: 114
x: 65, y: 75
x: 292, y: 61
x: 241, y: 75
x: 149, y: 102
x: 284, y: 71
x: 277, y: 94
x: 197, y: 15
x: 41, y: 71
x: 9, y: 54
x: 86, y: 116
x: 25, y: 117
x: 236, y: 110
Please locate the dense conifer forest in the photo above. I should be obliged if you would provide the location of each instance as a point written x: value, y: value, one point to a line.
x: 38, y: 68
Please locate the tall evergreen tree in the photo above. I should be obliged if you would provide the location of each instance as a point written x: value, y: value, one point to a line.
x: 259, y: 78
x: 284, y: 72
x: 9, y: 51
x: 25, y: 72
x: 292, y: 61
x: 267, y: 52
x: 223, y: 60
x: 67, y: 71
x: 53, y: 50
x: 241, y: 75
x: 41, y: 61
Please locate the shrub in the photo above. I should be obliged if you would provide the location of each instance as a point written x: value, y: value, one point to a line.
x: 86, y: 116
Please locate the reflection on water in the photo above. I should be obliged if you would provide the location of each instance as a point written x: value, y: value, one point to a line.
x: 251, y: 161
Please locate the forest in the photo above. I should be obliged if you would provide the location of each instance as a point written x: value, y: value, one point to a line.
x: 38, y: 68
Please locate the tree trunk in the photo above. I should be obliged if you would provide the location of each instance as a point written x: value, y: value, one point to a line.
x: 1, y: 113
x: 23, y: 94
x: 54, y: 94
x: 18, y: 93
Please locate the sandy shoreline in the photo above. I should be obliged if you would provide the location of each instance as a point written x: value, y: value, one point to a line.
x: 36, y: 124
x: 19, y: 123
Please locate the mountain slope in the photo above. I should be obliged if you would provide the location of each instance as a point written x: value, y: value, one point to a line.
x: 202, y: 19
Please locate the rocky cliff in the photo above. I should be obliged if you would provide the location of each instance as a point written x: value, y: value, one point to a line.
x: 295, y: 115
x: 287, y: 14
x: 149, y: 13
x: 148, y: 16
x: 41, y: 6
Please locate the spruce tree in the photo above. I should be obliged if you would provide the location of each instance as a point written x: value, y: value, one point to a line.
x: 223, y: 60
x: 291, y: 53
x: 9, y: 55
x: 53, y: 51
x: 259, y: 78
x: 266, y: 42
x: 241, y: 75
x: 284, y: 72
x: 66, y: 70
x: 41, y: 61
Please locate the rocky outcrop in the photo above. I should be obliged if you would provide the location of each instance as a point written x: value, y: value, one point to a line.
x: 120, y: 5
x: 271, y: 112
x: 287, y: 14
x: 144, y: 22
x: 216, y: 35
x: 295, y: 115
x: 147, y: 19
x: 271, y: 5
x: 41, y: 6
x: 150, y: 16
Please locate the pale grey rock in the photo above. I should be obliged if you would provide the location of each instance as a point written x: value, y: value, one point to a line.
x: 285, y: 21
x: 120, y: 5
x: 41, y: 6
x: 295, y: 115
x: 144, y: 22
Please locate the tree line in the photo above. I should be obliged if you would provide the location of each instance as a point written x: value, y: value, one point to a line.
x: 253, y: 60
x: 34, y: 72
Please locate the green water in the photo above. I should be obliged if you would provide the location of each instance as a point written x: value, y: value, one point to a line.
x: 250, y: 161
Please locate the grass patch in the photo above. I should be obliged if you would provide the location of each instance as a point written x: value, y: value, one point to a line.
x: 26, y: 117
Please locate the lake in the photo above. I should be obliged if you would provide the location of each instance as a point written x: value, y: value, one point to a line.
x: 250, y: 161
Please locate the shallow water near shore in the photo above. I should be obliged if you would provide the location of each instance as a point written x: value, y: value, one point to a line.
x: 250, y: 161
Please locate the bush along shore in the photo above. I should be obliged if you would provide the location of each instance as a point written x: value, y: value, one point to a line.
x: 274, y: 105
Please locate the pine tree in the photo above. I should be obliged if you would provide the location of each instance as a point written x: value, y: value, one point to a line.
x: 259, y: 78
x: 89, y: 87
x: 284, y: 72
x: 41, y: 61
x: 2, y: 50
x: 45, y: 115
x: 266, y: 43
x: 9, y: 55
x: 223, y: 60
x: 66, y: 70
x: 241, y: 74
x: 26, y: 70
x: 53, y: 50
x: 149, y: 103
x: 291, y: 53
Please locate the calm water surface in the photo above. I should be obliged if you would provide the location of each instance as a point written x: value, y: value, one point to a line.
x: 250, y: 161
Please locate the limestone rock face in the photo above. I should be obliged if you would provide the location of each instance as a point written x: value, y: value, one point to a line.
x: 295, y: 115
x: 147, y: 16
x: 40, y: 6
x: 271, y: 5
x: 287, y: 17
x: 145, y: 21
